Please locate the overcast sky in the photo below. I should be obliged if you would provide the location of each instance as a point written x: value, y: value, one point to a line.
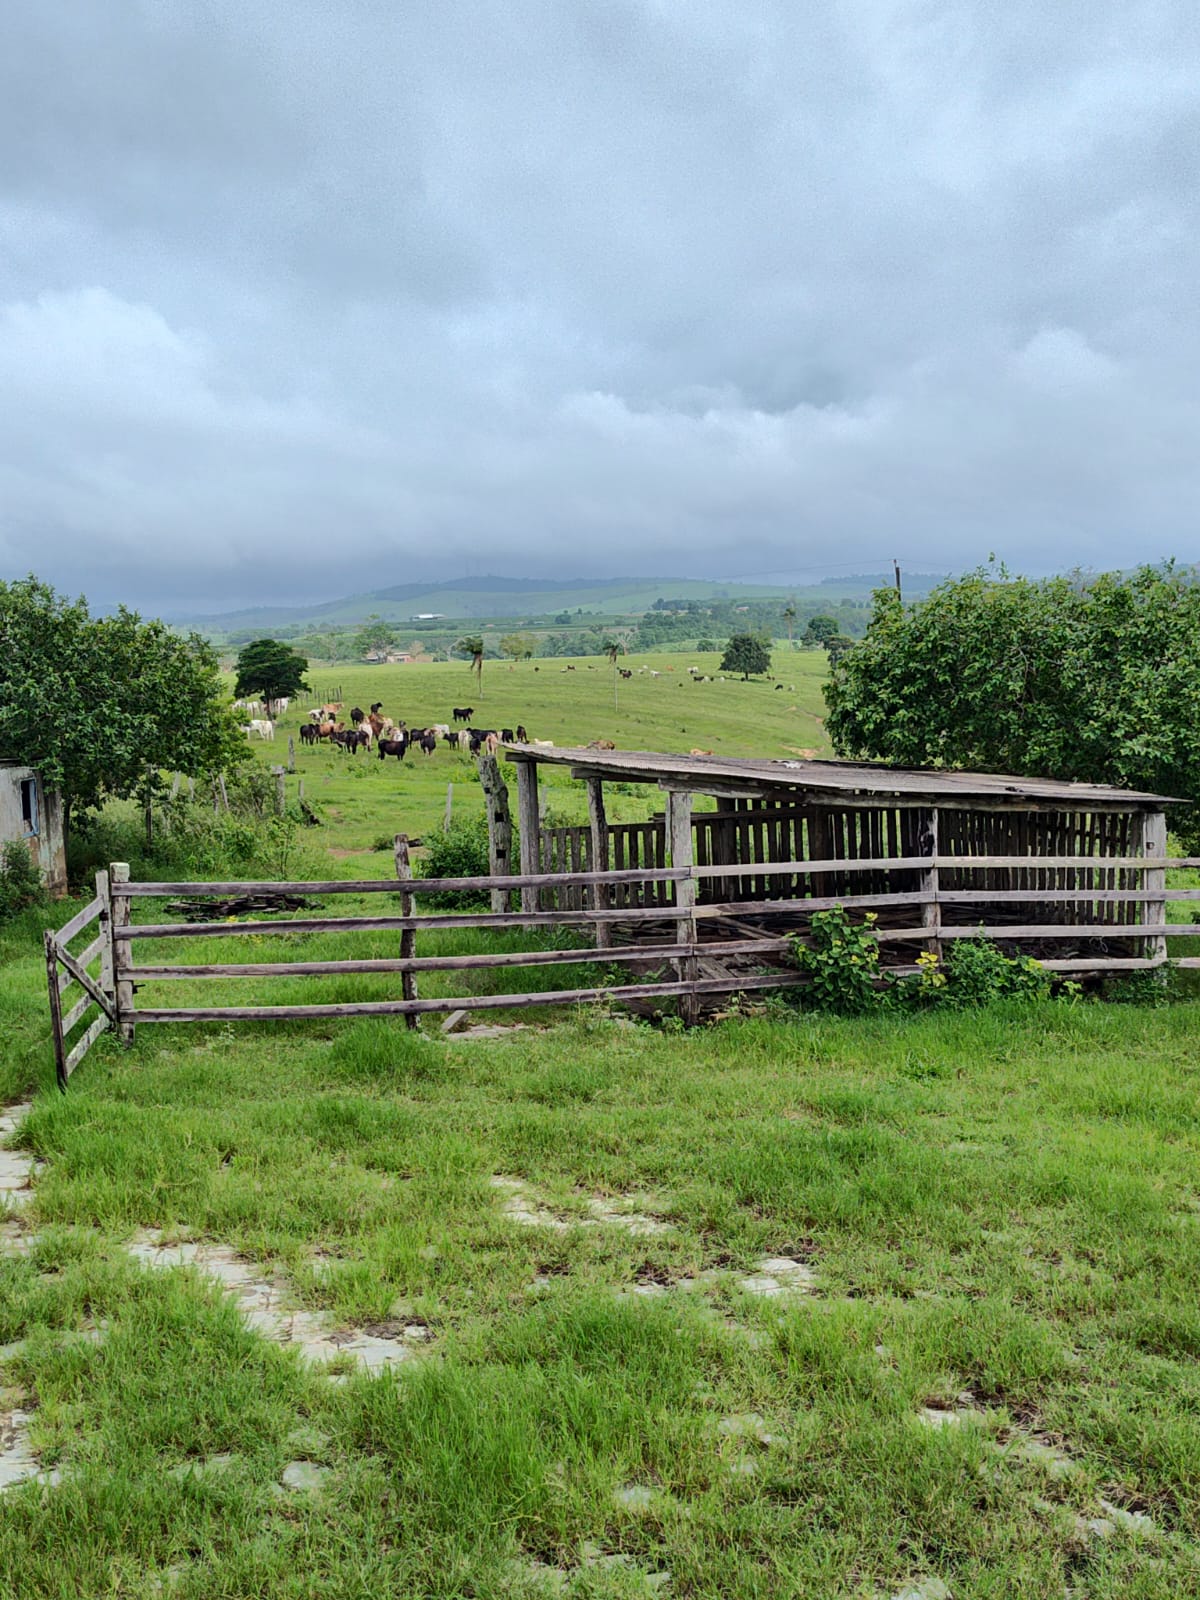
x: 302, y: 297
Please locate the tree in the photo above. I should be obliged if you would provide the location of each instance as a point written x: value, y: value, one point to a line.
x: 789, y: 619
x: 99, y: 705
x: 471, y: 644
x: 746, y: 653
x: 613, y: 646
x: 837, y: 647
x: 270, y: 669
x: 518, y: 646
x: 1096, y: 680
x: 375, y: 637
x: 821, y: 630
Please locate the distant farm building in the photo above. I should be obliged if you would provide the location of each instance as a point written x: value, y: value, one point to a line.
x: 31, y: 814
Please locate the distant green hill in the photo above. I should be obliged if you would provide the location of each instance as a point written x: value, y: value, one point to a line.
x: 477, y: 598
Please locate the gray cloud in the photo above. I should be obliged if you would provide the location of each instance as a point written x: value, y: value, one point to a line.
x: 300, y: 296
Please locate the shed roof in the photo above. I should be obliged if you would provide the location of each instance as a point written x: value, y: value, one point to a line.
x: 841, y: 780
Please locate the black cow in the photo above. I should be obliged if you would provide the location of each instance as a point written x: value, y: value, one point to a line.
x: 462, y: 713
x: 507, y: 735
x: 522, y: 736
x: 357, y: 715
x: 428, y: 743
x: 393, y: 747
x: 308, y: 733
x: 377, y: 707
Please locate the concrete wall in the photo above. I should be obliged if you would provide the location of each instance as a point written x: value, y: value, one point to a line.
x: 45, y: 842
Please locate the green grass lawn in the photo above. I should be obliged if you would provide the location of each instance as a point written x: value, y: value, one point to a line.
x: 978, y: 1377
x: 362, y: 799
x: 999, y: 1214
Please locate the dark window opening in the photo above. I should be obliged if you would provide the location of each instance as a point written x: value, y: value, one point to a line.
x: 29, y: 804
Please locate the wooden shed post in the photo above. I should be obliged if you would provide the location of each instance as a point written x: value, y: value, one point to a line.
x: 601, y: 899
x: 122, y: 951
x: 679, y: 837
x: 931, y: 911
x: 408, y: 937
x: 531, y: 828
x: 1153, y: 830
x: 499, y: 820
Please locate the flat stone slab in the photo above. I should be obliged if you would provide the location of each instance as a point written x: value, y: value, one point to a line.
x: 305, y: 1477
x: 748, y: 1425
x: 265, y: 1306
x: 779, y: 1278
x: 17, y: 1461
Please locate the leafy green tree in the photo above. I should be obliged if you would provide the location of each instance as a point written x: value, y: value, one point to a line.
x: 746, y: 653
x: 789, y: 619
x: 518, y: 646
x: 471, y: 644
x: 100, y: 704
x: 271, y: 669
x: 837, y: 647
x: 821, y: 630
x: 375, y: 637
x: 1096, y: 680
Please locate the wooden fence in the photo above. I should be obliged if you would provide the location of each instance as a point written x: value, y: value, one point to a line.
x: 683, y: 964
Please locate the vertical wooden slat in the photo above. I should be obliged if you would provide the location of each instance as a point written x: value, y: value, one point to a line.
x: 408, y: 938
x: 598, y: 822
x: 122, y: 951
x: 679, y: 831
x: 499, y: 821
x: 1154, y: 912
x: 56, y: 1027
x: 530, y: 827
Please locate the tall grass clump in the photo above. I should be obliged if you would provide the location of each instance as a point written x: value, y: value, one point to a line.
x: 21, y: 885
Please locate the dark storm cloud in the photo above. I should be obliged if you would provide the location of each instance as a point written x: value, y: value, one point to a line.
x: 298, y: 296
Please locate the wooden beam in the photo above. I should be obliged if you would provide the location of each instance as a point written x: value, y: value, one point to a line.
x: 408, y: 938
x: 530, y: 828
x: 79, y: 922
x: 599, y: 826
x: 56, y: 1020
x: 122, y: 955
x: 679, y: 842
x: 499, y: 821
x: 931, y: 916
x: 1153, y: 830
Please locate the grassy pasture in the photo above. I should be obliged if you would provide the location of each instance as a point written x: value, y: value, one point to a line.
x: 1000, y: 1212
x: 361, y: 799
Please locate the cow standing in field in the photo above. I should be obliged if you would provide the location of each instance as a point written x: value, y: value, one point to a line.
x: 263, y: 727
x: 462, y: 713
x: 522, y: 736
x: 397, y: 747
x: 357, y: 714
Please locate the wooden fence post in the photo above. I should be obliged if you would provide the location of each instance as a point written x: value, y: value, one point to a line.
x: 107, y: 980
x: 601, y: 899
x: 1153, y: 843
x: 931, y: 914
x: 499, y: 820
x: 408, y: 936
x: 122, y: 951
x: 530, y: 825
x: 291, y: 753
x: 56, y: 1028
x: 679, y: 838
x: 224, y: 791
x: 280, y: 791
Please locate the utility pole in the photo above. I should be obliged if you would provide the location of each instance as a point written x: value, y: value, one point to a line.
x: 896, y: 564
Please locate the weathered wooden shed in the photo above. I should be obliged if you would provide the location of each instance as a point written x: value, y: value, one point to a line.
x: 1072, y: 873
x: 32, y: 815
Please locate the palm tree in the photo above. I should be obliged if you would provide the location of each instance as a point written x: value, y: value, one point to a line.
x: 614, y: 646
x: 471, y: 644
x: 789, y: 618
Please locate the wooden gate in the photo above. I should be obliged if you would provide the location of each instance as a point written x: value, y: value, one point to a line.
x: 66, y: 970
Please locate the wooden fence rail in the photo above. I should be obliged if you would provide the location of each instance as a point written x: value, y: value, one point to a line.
x: 683, y: 965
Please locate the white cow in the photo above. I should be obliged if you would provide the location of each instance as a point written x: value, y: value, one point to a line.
x: 263, y: 727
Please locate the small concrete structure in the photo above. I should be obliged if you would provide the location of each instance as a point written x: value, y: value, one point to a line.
x: 32, y: 814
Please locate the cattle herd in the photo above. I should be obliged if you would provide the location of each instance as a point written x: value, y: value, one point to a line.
x: 372, y: 730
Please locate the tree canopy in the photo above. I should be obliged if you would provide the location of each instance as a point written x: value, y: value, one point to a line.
x: 98, y: 704
x: 471, y: 645
x: 374, y: 637
x: 1096, y: 680
x: 518, y: 646
x: 746, y: 653
x: 821, y: 630
x: 271, y: 669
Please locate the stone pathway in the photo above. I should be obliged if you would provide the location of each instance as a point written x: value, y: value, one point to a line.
x: 17, y: 1167
x: 264, y: 1305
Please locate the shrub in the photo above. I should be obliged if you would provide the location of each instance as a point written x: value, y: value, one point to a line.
x: 842, y: 960
x: 977, y: 972
x: 460, y: 852
x: 20, y: 881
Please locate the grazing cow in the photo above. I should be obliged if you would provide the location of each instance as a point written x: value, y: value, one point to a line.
x: 463, y: 713
x: 326, y: 730
x: 392, y: 747
x: 349, y: 739
x: 626, y: 672
x: 263, y: 727
x: 356, y: 715
x: 779, y: 686
x: 522, y: 736
x: 316, y: 715
x: 491, y: 743
x: 365, y: 735
x: 506, y: 735
x: 308, y: 734
x: 428, y: 743
x: 463, y: 739
x: 332, y: 709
